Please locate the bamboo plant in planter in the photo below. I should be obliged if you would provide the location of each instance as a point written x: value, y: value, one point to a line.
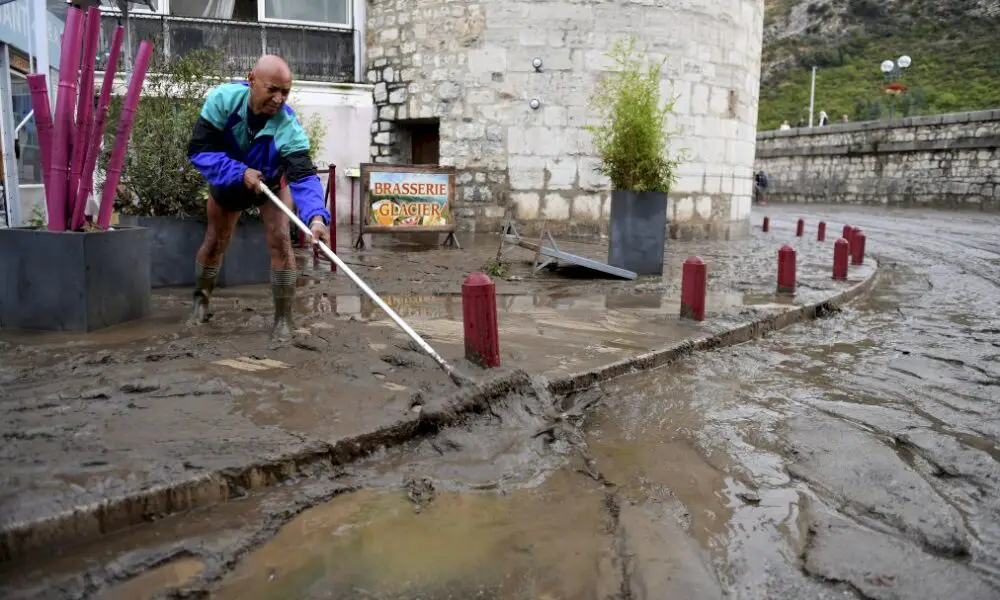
x: 75, y: 274
x: 632, y: 142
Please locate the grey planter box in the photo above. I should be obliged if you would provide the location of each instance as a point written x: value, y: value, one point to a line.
x: 73, y: 281
x: 637, y: 231
x: 175, y: 244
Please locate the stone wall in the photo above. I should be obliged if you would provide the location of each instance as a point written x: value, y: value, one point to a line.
x: 943, y: 161
x: 468, y: 64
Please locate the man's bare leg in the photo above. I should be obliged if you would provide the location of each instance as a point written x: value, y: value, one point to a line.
x: 221, y: 224
x: 283, y: 271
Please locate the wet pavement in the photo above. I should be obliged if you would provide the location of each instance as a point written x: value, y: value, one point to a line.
x: 123, y: 426
x: 851, y: 457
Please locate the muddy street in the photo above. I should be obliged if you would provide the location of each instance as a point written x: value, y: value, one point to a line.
x: 856, y: 456
x: 853, y: 457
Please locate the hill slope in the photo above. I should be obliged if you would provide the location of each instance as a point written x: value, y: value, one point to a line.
x: 954, y: 45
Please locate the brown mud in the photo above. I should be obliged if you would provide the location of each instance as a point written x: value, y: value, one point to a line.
x: 123, y: 426
x: 513, y: 455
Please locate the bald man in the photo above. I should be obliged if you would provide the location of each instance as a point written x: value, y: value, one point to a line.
x: 247, y: 134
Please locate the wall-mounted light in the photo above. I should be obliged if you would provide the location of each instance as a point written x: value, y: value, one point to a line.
x: 534, y: 103
x: 537, y: 63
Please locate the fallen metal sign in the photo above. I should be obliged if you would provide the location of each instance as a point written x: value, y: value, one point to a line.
x: 551, y: 255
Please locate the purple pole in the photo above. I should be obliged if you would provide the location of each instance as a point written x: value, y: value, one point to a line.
x: 124, y: 130
x: 94, y: 145
x: 65, y: 100
x: 43, y: 121
x: 84, y: 115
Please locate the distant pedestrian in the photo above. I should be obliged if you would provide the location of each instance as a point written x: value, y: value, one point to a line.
x: 760, y: 187
x: 785, y: 125
x: 823, y: 119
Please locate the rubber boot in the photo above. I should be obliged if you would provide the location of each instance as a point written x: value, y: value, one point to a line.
x: 205, y: 278
x: 283, y: 290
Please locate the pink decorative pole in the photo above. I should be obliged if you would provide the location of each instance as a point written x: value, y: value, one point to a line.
x: 65, y: 100
x: 124, y: 130
x: 84, y: 116
x: 94, y: 144
x: 43, y: 121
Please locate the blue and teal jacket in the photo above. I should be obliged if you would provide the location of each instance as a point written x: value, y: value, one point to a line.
x: 221, y: 149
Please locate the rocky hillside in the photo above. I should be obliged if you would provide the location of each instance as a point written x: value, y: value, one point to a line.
x: 954, y: 46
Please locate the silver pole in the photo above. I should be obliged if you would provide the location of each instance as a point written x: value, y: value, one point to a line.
x: 11, y: 184
x: 31, y: 40
x: 812, y: 97
x: 23, y: 122
x: 40, y: 34
x: 367, y: 290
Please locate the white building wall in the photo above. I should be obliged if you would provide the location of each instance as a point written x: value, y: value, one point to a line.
x: 469, y: 64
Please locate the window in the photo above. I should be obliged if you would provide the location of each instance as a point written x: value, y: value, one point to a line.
x: 332, y: 12
x: 29, y: 165
x: 137, y: 8
x: 212, y: 9
x: 315, y: 12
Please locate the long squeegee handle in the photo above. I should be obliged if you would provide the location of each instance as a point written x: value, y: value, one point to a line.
x: 361, y: 284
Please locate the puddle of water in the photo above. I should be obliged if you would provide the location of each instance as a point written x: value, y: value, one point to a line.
x: 155, y: 581
x: 545, y: 542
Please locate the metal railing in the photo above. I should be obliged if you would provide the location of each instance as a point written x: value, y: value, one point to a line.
x: 314, y: 53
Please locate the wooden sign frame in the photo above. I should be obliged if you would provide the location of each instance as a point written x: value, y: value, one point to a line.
x: 366, y: 170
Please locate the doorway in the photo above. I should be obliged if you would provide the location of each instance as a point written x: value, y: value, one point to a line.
x: 424, y: 140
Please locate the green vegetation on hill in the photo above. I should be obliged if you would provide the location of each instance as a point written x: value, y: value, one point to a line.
x: 956, y: 62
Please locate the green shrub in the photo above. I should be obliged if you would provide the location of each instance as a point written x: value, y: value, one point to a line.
x: 315, y: 131
x: 633, y: 139
x: 157, y: 176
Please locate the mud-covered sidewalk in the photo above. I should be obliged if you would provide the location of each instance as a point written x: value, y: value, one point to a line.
x: 119, y: 427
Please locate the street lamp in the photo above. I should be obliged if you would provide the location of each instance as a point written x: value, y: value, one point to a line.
x: 893, y: 71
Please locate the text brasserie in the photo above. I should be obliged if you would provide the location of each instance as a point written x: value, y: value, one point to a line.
x: 381, y: 188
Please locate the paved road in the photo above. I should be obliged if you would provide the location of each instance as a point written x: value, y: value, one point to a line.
x: 853, y: 456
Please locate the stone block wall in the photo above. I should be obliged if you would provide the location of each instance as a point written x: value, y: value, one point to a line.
x: 468, y: 64
x: 942, y: 161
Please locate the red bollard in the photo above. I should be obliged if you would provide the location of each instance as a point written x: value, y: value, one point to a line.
x: 821, y: 232
x: 841, y: 249
x: 693, y: 281
x: 857, y: 247
x: 479, y: 312
x: 330, y: 199
x: 766, y: 225
x: 786, y: 270
x: 800, y: 228
x: 331, y: 192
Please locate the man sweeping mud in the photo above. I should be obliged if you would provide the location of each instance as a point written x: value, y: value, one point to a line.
x: 247, y: 134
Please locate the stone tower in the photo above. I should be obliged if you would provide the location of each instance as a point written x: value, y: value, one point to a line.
x: 463, y: 70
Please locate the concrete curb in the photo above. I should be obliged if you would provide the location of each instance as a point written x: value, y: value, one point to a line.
x: 87, y: 522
